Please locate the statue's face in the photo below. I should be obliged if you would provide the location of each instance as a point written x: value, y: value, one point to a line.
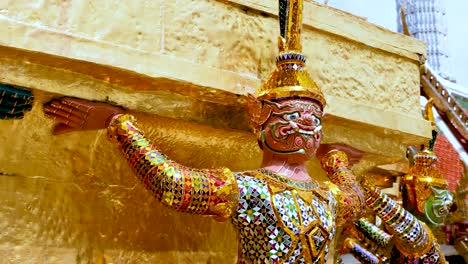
x: 438, y: 205
x: 293, y: 127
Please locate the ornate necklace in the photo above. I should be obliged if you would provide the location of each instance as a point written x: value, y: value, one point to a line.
x: 308, y: 185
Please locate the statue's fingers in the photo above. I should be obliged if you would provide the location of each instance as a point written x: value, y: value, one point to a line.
x: 75, y: 119
x: 62, y: 128
x: 64, y: 120
x: 67, y: 108
x: 353, y: 162
x: 14, y: 102
x: 15, y: 110
x: 354, y: 155
x: 81, y: 104
x: 73, y: 104
x: 48, y: 109
x: 11, y: 116
x: 11, y: 92
x: 66, y: 115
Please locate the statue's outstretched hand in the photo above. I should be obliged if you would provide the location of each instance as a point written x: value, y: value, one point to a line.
x: 354, y: 155
x: 74, y: 114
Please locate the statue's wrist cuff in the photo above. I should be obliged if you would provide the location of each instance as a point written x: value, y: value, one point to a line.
x: 115, y: 127
x: 333, y: 160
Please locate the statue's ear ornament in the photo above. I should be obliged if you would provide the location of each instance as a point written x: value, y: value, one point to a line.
x: 436, y: 191
x: 440, y: 193
x: 258, y: 112
x: 423, y: 173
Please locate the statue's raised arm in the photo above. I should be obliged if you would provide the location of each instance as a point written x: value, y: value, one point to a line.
x: 207, y: 192
x: 426, y: 201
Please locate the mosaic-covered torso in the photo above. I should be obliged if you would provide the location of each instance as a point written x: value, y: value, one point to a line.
x: 279, y: 220
x: 283, y: 221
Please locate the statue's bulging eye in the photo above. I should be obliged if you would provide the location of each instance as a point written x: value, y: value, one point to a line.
x: 291, y: 117
x: 316, y: 120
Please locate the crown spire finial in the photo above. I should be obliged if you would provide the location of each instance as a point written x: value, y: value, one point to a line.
x: 290, y: 77
x: 290, y: 16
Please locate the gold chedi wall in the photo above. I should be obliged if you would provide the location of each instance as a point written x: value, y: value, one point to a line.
x: 183, y: 67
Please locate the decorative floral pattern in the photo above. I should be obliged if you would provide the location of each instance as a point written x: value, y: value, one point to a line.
x: 281, y: 226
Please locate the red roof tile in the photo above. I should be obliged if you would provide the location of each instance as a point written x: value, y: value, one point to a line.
x: 448, y: 162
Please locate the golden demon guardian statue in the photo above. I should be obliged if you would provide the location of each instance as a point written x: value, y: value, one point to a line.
x: 425, y: 194
x: 282, y: 215
x: 409, y: 238
x: 424, y: 189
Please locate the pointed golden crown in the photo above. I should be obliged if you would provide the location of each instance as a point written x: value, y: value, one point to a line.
x: 425, y: 170
x: 425, y: 161
x: 290, y: 77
